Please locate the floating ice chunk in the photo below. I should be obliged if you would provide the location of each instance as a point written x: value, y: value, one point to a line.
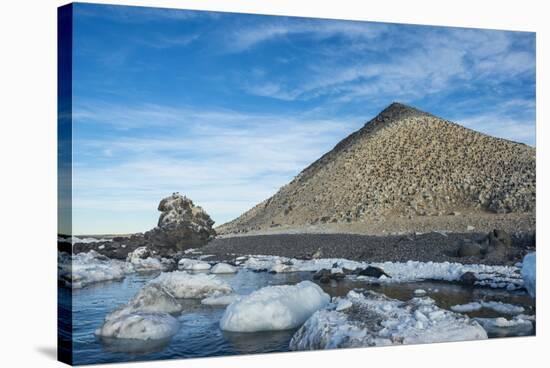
x: 499, y: 307
x: 152, y: 298
x: 84, y: 269
x: 221, y: 300
x: 529, y: 273
x: 420, y: 292
x: 375, y: 320
x: 140, y: 326
x: 201, y: 266
x: 517, y: 326
x: 184, y: 285
x: 274, y: 308
x: 151, y: 264
x: 281, y: 267
x: 193, y: 265
x: 343, y: 304
x: 142, y: 261
x: 223, y: 268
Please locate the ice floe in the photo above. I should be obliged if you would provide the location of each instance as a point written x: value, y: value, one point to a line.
x: 376, y: 320
x: 194, y: 286
x: 221, y: 299
x: 140, y: 326
x: 142, y: 261
x: 83, y: 269
x: 152, y: 298
x: 500, y: 326
x: 271, y: 308
x: 529, y: 273
x: 189, y: 264
x: 499, y: 307
x: 223, y: 268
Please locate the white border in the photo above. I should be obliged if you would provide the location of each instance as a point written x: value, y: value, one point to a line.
x: 28, y: 178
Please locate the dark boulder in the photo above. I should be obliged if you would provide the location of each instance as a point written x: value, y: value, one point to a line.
x: 469, y: 249
x: 499, y: 237
x: 468, y: 278
x: 321, y: 273
x: 372, y: 271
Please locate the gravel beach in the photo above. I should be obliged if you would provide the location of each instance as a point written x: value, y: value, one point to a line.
x: 436, y: 247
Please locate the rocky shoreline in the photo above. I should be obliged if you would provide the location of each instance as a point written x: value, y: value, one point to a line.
x: 433, y: 246
x: 183, y: 226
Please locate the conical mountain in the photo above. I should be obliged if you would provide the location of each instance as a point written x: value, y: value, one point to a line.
x: 404, y: 163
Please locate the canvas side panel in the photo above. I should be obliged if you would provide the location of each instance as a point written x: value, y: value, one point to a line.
x: 64, y: 181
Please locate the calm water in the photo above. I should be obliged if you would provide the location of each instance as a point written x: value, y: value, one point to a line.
x: 200, y: 335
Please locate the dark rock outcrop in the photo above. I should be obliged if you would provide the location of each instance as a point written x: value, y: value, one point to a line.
x: 181, y: 225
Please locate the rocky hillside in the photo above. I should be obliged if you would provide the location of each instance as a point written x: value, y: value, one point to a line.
x: 404, y: 163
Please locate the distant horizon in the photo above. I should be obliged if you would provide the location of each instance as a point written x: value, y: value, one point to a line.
x: 226, y: 108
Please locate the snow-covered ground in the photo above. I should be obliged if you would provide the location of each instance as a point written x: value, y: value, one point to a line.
x: 376, y: 320
x: 492, y: 276
x: 529, y: 273
x: 75, y: 239
x: 274, y: 308
x: 192, y: 286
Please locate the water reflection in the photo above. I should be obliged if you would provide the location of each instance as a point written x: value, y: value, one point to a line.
x: 133, y: 346
x: 259, y: 342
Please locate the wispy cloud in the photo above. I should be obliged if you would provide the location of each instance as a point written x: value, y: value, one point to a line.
x: 226, y: 161
x: 228, y: 107
x: 244, y: 38
x: 439, y: 61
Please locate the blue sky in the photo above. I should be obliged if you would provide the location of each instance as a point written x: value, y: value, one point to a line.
x: 226, y: 108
